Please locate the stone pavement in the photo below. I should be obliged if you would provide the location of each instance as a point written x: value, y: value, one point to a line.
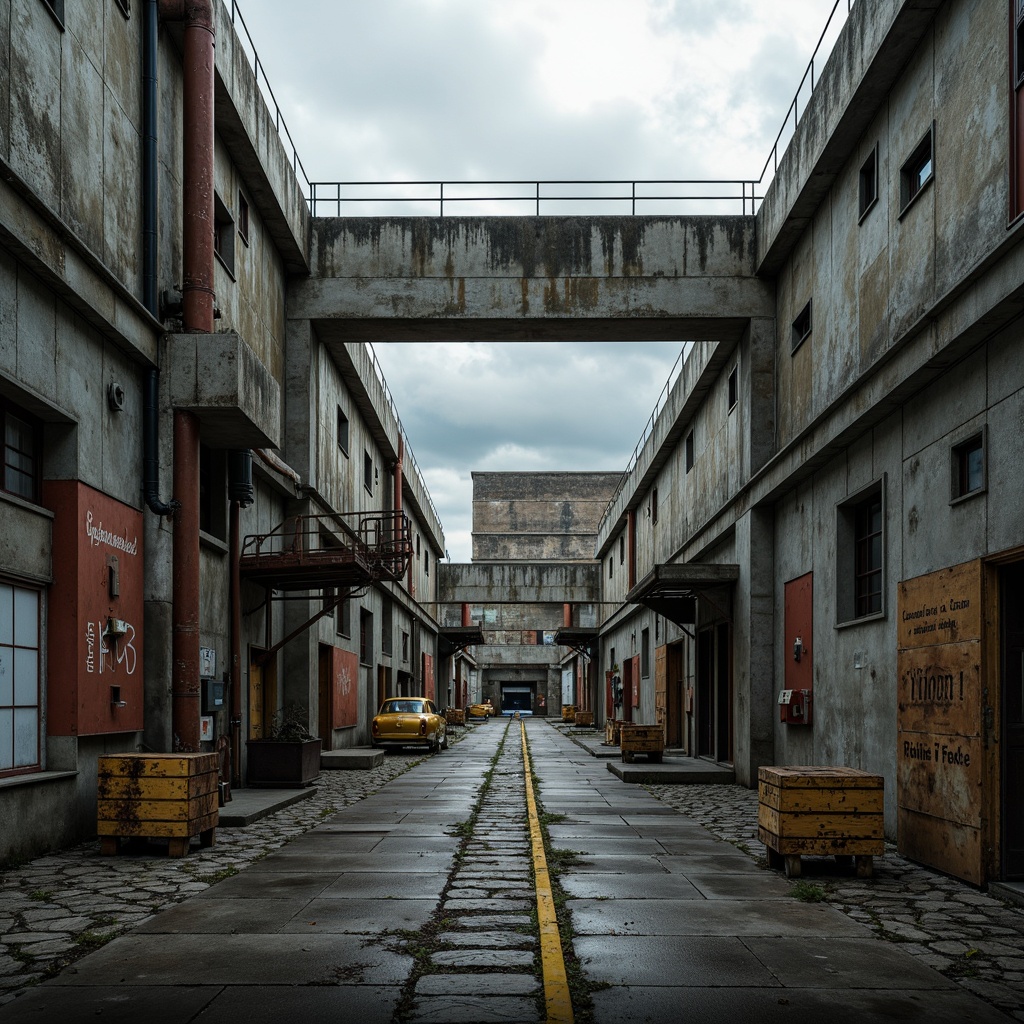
x: 412, y: 904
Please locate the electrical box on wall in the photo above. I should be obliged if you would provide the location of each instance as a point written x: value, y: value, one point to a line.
x: 795, y: 707
x: 212, y: 695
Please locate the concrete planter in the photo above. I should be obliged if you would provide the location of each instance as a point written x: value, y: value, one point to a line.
x: 282, y: 763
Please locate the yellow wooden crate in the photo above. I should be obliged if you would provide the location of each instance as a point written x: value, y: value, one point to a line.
x: 641, y: 739
x: 822, y: 810
x: 172, y: 796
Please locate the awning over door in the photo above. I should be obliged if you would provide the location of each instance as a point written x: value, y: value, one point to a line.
x: 672, y: 590
x: 581, y: 639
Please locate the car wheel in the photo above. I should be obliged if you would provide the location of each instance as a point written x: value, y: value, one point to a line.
x: 444, y: 740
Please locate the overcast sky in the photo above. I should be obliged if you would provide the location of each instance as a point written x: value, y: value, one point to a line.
x: 486, y: 90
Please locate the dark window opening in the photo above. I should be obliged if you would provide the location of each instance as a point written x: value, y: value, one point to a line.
x: 689, y: 451
x: 733, y: 388
x: 342, y: 430
x: 622, y: 550
x: 917, y: 172
x: 645, y: 653
x: 654, y: 506
x: 867, y: 583
x: 368, y: 472
x: 212, y: 492
x: 387, y: 638
x: 22, y: 452
x: 869, y: 183
x: 801, y: 326
x: 243, y: 218
x: 56, y: 9
x: 223, y: 235
x: 405, y: 646
x: 126, y: 7
x: 365, y: 637
x: 968, y: 467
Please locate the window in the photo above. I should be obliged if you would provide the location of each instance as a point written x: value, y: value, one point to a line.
x: 405, y: 646
x: 918, y: 171
x: 212, y: 492
x: 860, y: 546
x: 689, y: 451
x: 56, y: 9
x: 967, y: 470
x: 223, y: 235
x: 611, y: 566
x: 126, y: 7
x: 365, y: 637
x: 387, y: 637
x: 868, y: 183
x: 645, y: 653
x: 622, y: 549
x: 733, y: 388
x: 19, y: 680
x: 801, y: 327
x: 654, y: 506
x: 343, y: 618
x: 342, y: 430
x: 368, y: 472
x: 243, y: 218
x: 22, y: 452
x: 426, y: 563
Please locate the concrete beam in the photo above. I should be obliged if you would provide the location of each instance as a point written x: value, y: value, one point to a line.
x: 523, y: 583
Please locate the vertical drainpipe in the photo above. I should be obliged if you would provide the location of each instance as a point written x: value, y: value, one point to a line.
x: 234, y: 539
x: 151, y: 386
x: 197, y: 317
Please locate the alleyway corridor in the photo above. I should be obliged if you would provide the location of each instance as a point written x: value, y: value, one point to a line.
x: 417, y: 904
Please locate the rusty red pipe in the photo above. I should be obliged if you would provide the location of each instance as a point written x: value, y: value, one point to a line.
x: 197, y: 16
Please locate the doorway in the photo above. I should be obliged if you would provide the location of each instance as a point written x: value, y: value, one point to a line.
x: 674, y: 683
x: 714, y: 693
x: 262, y: 694
x: 1011, y: 588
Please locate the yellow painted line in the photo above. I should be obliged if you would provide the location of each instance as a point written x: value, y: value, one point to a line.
x: 556, y: 985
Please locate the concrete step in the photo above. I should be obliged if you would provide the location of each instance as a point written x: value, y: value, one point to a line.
x: 673, y: 770
x: 352, y: 758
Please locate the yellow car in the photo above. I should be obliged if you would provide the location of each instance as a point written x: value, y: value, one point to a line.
x: 409, y: 722
x: 480, y: 710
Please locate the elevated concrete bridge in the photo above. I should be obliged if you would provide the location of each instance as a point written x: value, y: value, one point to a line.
x: 553, y: 278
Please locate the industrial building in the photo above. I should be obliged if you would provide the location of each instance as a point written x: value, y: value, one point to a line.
x: 210, y: 510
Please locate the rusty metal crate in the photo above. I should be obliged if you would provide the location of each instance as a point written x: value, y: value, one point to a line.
x: 157, y: 796
x: 584, y: 719
x: 823, y: 811
x: 641, y: 739
x: 455, y: 716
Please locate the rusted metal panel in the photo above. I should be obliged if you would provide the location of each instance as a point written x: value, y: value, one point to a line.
x: 941, y: 773
x: 799, y: 626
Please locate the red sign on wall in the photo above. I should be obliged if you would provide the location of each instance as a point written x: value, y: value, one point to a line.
x: 344, y: 688
x: 94, y: 639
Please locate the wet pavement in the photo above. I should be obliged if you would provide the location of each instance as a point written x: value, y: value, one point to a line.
x: 413, y: 903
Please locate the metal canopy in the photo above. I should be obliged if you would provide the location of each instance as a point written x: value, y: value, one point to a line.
x: 581, y: 639
x: 672, y: 590
x: 458, y: 638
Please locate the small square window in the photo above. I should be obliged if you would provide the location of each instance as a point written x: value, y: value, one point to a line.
x: 223, y: 235
x: 243, y: 218
x: 801, y: 327
x: 733, y: 388
x: 342, y: 430
x: 689, y: 451
x: 869, y: 183
x: 967, y: 469
x: 918, y: 171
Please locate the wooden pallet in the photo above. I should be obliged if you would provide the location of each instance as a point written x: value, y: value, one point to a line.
x: 820, y: 810
x: 157, y: 796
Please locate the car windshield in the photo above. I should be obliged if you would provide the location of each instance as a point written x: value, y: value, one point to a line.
x: 405, y: 707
